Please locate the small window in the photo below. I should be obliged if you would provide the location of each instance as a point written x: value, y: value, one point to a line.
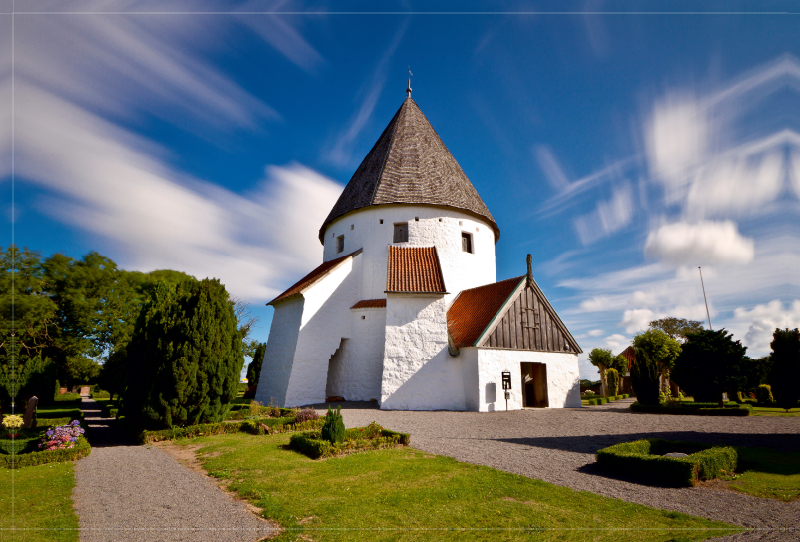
x: 416, y: 219
x: 381, y: 221
x: 352, y: 226
x: 340, y: 244
x: 466, y: 242
x: 460, y: 223
x: 440, y: 220
x: 363, y: 317
x: 401, y: 233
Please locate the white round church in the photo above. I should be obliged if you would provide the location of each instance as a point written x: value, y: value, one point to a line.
x: 405, y: 309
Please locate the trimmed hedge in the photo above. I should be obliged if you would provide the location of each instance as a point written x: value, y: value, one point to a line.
x: 604, y: 400
x: 81, y: 449
x: 51, y: 413
x: 52, y: 422
x: 314, y: 446
x: 644, y: 459
x: 255, y: 427
x: 694, y: 409
x: 278, y: 425
x: 67, y: 397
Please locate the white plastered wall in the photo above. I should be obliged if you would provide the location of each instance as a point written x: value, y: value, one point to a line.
x: 437, y: 226
x: 325, y: 322
x: 418, y: 372
x: 356, y: 373
x: 279, y: 353
x: 563, y: 377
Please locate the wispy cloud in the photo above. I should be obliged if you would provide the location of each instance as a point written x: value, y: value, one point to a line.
x: 701, y: 243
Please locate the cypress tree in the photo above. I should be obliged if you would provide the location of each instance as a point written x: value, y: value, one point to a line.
x: 254, y: 368
x: 333, y: 430
x: 185, y: 356
x: 612, y: 378
x: 644, y: 378
x: 785, y: 373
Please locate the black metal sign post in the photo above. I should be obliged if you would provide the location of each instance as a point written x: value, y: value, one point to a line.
x: 506, y: 386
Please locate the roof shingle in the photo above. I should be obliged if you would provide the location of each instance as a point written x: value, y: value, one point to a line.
x: 370, y: 304
x: 474, y: 309
x: 409, y: 164
x: 414, y: 270
x: 318, y: 273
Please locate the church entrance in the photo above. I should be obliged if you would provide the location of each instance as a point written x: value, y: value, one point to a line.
x: 534, y: 385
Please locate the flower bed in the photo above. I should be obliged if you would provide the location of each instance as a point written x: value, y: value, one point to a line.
x: 645, y: 459
x: 62, y: 443
x: 79, y: 450
x: 695, y: 409
x: 62, y: 437
x: 357, y: 439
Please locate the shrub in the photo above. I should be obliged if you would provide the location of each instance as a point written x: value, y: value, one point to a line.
x: 612, y: 378
x: 187, y: 352
x: 254, y: 367
x: 644, y: 378
x: 764, y: 394
x: 785, y: 372
x: 62, y: 437
x: 333, y: 430
x: 81, y: 449
x: 372, y: 437
x: 305, y: 415
x: 644, y: 459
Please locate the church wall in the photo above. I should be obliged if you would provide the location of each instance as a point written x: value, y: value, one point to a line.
x: 418, y: 373
x: 326, y: 321
x: 563, y: 378
x: 362, y: 372
x: 461, y: 270
x: 279, y: 353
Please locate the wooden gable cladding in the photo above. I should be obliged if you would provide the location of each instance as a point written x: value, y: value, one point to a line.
x: 529, y: 323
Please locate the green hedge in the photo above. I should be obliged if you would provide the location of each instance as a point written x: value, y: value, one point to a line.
x: 312, y: 445
x: 71, y: 413
x: 694, y: 409
x: 280, y: 425
x: 604, y: 400
x: 81, y: 449
x: 67, y: 397
x: 52, y: 422
x: 643, y: 459
x: 203, y: 429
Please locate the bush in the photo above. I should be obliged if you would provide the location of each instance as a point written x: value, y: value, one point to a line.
x: 612, y: 379
x: 644, y: 378
x: 187, y: 354
x: 81, y: 449
x: 785, y: 372
x: 333, y: 430
x: 254, y: 367
x: 644, y: 459
x: 372, y: 437
x: 764, y: 394
x: 306, y: 414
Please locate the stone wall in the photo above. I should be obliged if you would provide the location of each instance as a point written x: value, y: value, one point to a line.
x: 279, y: 353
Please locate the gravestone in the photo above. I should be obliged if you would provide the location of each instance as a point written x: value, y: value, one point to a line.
x: 30, y: 413
x: 85, y: 391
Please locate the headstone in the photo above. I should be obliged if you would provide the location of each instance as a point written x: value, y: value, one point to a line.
x: 30, y: 412
x: 675, y: 454
x: 85, y: 391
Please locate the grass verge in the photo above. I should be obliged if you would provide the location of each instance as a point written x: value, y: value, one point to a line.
x: 777, y: 412
x: 767, y: 473
x: 42, y: 504
x: 405, y: 494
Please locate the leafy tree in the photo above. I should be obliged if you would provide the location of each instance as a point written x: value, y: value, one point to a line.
x: 613, y: 381
x: 785, y: 373
x: 644, y: 378
x: 660, y: 348
x: 710, y: 363
x: 676, y: 328
x: 27, y: 327
x: 601, y: 358
x: 619, y: 364
x: 185, y: 356
x: 254, y: 368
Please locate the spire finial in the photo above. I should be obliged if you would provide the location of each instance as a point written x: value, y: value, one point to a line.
x: 408, y: 90
x: 529, y: 278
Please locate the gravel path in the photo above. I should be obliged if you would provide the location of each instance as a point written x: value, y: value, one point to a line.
x: 557, y: 445
x: 139, y: 493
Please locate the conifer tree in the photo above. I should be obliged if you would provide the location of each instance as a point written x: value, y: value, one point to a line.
x: 185, y: 356
x: 644, y: 378
x: 612, y: 377
x: 785, y: 373
x: 254, y: 368
x: 333, y: 430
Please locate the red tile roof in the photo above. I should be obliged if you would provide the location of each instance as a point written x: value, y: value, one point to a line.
x: 630, y: 355
x: 474, y: 309
x: 370, y: 304
x: 311, y: 278
x: 414, y: 270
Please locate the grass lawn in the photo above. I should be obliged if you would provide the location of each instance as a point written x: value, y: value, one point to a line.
x: 42, y: 500
x: 411, y: 494
x: 766, y: 411
x: 768, y: 473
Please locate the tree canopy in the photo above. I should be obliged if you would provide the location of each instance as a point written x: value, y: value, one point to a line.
x: 785, y: 372
x: 676, y: 328
x: 710, y: 363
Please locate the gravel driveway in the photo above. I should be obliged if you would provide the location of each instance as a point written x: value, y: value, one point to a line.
x: 557, y: 445
x: 125, y: 492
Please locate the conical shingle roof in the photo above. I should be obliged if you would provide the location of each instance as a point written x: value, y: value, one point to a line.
x: 409, y: 164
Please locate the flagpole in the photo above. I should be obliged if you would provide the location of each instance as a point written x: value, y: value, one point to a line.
x: 704, y: 298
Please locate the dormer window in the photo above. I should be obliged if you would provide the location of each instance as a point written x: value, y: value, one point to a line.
x: 466, y: 242
x: 401, y: 233
x: 340, y: 244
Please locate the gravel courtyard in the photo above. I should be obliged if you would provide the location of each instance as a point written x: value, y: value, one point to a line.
x: 557, y: 445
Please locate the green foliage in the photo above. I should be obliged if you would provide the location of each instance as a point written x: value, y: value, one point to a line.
x: 710, y: 363
x: 373, y: 437
x: 659, y: 347
x: 644, y: 378
x: 784, y: 377
x: 643, y: 459
x: 333, y: 430
x: 612, y: 377
x: 619, y: 364
x: 187, y: 354
x: 676, y: 328
x: 764, y: 394
x: 203, y: 429
x: 81, y: 449
x: 254, y: 367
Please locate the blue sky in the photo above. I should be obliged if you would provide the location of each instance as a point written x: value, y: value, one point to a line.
x: 621, y: 150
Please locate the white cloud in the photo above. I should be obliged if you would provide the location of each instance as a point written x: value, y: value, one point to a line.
x: 608, y: 217
x: 285, y: 38
x: 703, y: 242
x: 595, y: 304
x: 595, y: 332
x: 616, y: 341
x: 551, y: 168
x: 762, y: 320
x: 634, y: 320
